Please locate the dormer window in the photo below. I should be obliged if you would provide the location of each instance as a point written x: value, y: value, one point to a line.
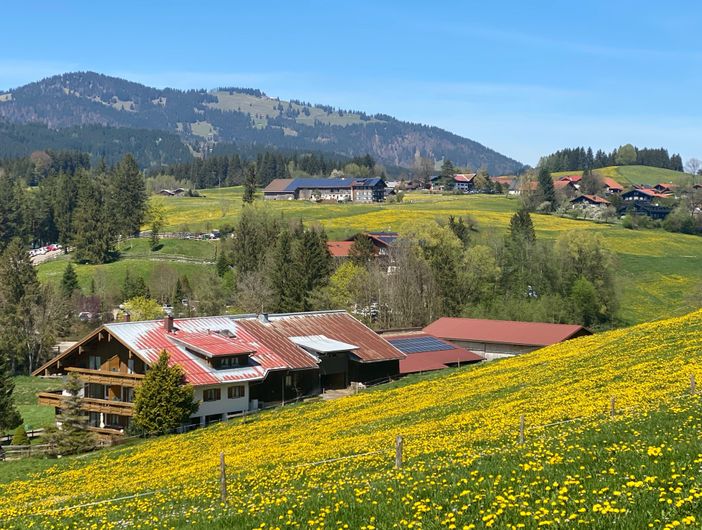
x: 230, y: 362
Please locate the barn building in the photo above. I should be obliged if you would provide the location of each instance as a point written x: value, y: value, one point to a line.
x: 494, y: 339
x: 425, y: 353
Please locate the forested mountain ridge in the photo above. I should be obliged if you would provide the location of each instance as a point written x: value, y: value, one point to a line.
x: 242, y: 116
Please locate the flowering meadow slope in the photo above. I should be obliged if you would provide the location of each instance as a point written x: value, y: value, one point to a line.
x: 463, y: 466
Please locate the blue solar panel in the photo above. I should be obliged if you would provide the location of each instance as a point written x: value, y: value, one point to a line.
x: 420, y: 344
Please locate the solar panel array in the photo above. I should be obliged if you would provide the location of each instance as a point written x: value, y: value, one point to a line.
x: 420, y: 344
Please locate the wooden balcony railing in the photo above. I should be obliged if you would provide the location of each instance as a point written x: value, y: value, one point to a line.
x: 103, y: 377
x: 121, y: 408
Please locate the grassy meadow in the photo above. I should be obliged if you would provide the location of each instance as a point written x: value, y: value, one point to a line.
x: 330, y: 464
x: 659, y: 270
x: 628, y: 175
x: 35, y: 416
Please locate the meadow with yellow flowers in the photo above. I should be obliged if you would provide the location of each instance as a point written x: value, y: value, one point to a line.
x: 331, y: 464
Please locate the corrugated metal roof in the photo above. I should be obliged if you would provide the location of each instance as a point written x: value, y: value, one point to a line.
x: 322, y: 344
x: 503, y: 331
x: 339, y: 326
x: 277, y: 186
x: 212, y: 344
x: 148, y: 338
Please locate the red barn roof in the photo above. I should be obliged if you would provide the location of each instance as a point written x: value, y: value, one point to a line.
x: 339, y: 249
x: 503, y: 331
x: 612, y: 184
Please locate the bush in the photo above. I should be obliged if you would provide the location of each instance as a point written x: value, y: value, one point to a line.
x: 20, y: 437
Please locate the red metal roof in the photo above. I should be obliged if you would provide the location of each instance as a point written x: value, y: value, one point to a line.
x: 503, y: 331
x: 341, y: 326
x: 272, y: 352
x: 591, y: 198
x: 213, y: 344
x: 277, y: 186
x: 611, y: 183
x: 464, y: 177
x: 339, y: 249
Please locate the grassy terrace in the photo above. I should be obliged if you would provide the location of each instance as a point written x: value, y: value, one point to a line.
x: 462, y: 465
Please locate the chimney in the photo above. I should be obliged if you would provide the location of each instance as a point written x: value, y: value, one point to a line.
x: 168, y: 323
x: 127, y: 317
x: 263, y: 318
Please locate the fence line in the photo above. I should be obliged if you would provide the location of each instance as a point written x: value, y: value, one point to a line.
x: 218, y: 480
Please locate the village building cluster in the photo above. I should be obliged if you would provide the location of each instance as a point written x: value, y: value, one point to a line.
x: 241, y: 363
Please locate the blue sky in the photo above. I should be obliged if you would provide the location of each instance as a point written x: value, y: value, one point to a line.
x: 524, y: 78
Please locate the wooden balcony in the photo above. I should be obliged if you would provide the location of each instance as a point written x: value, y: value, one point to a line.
x: 103, y: 377
x: 122, y: 408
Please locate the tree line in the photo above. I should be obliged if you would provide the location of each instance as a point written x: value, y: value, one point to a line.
x: 230, y: 170
x: 581, y: 158
x: 88, y: 209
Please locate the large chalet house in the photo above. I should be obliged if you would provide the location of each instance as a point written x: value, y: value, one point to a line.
x: 234, y: 363
x: 645, y: 201
x: 327, y: 189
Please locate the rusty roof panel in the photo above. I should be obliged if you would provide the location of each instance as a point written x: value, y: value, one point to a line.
x: 341, y: 326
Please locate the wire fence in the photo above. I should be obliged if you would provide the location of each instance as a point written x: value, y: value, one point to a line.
x: 519, y: 436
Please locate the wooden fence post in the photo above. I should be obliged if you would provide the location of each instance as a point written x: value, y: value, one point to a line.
x: 612, y: 407
x: 693, y: 385
x: 222, y: 478
x: 398, y: 452
x: 521, y: 429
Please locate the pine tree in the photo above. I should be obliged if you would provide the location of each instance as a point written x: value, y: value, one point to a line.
x: 362, y: 250
x: 250, y: 184
x: 11, y: 209
x: 69, y: 281
x: 73, y: 435
x: 24, y: 330
x: 19, y: 436
x: 9, y: 415
x: 128, y: 198
x: 94, y: 236
x: 521, y: 227
x: 284, y: 278
x: 546, y: 188
x: 163, y: 400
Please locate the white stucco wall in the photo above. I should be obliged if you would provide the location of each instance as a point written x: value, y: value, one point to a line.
x: 222, y: 406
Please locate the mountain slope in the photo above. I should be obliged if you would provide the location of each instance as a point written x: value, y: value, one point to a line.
x: 629, y: 175
x: 299, y: 466
x: 149, y: 147
x: 241, y: 116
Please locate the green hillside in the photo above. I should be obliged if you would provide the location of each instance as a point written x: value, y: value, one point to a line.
x: 189, y: 257
x: 659, y: 270
x: 629, y: 175
x: 331, y: 464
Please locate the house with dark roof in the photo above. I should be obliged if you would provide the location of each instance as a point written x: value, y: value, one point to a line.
x: 327, y: 189
x: 494, y: 339
x: 585, y: 201
x: 426, y: 353
x: 235, y: 363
